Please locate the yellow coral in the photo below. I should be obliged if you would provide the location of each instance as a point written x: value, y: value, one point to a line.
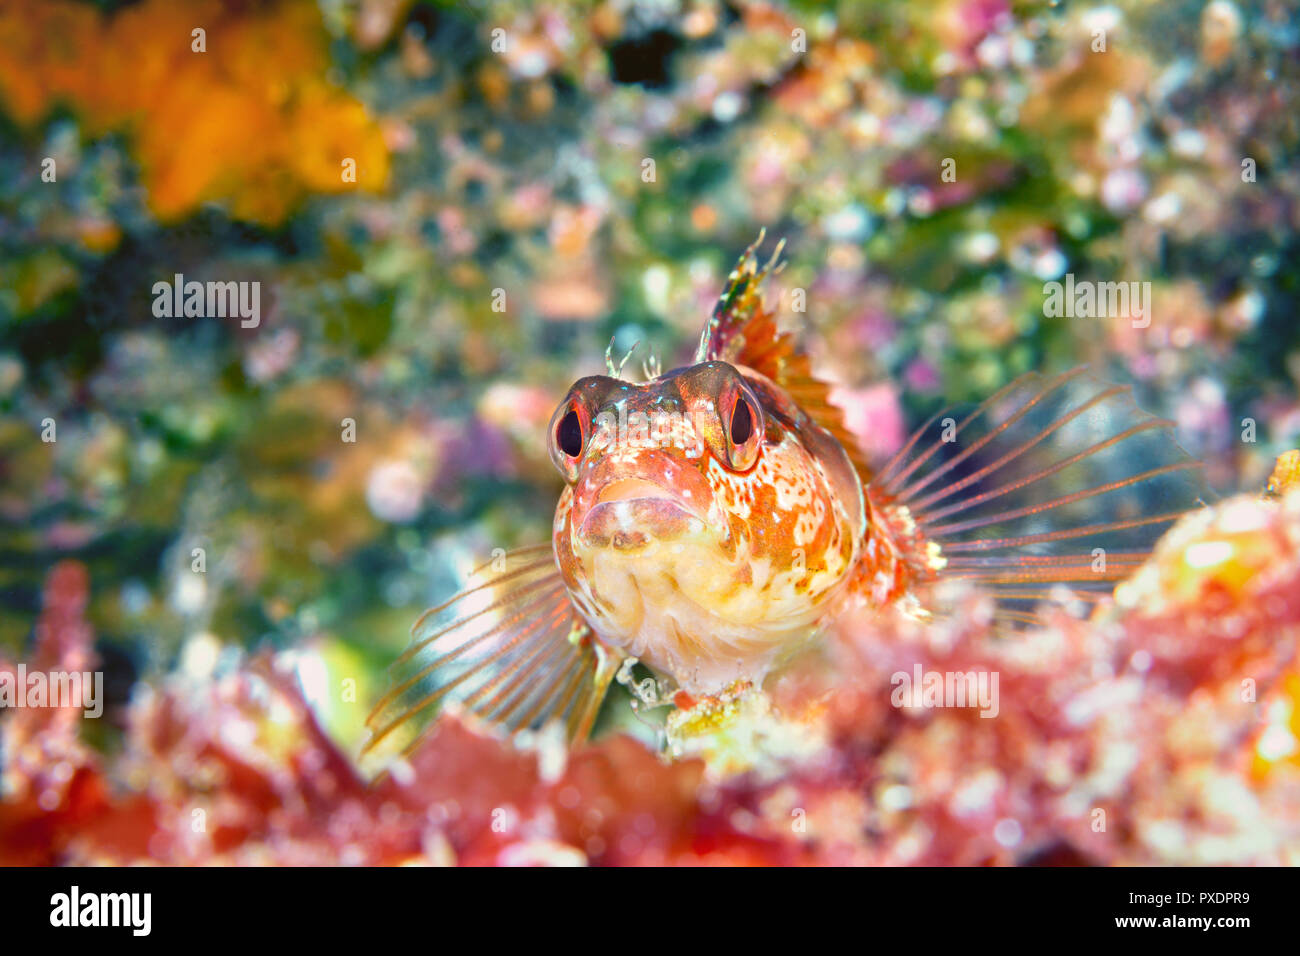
x: 739, y: 731
x: 1226, y: 550
x: 1286, y: 473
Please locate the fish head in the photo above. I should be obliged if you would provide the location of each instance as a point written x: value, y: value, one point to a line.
x: 705, y: 518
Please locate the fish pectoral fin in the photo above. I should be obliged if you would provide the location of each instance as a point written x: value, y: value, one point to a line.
x: 1049, y: 482
x: 510, y: 648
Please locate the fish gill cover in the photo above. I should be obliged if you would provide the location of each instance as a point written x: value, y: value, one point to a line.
x: 289, y: 292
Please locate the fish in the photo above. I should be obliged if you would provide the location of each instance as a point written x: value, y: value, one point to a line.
x: 717, y: 518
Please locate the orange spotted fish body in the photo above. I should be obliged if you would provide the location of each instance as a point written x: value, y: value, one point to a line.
x: 716, y: 517
x: 709, y: 546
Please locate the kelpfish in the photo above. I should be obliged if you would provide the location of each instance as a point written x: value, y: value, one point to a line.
x: 716, y: 518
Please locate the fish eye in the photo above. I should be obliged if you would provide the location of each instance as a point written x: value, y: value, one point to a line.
x: 568, y: 434
x: 742, y: 422
x: 744, y: 431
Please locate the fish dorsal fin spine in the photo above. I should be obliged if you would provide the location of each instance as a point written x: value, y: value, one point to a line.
x: 743, y: 331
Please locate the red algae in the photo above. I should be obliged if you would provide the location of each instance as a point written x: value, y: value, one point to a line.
x: 1161, y: 730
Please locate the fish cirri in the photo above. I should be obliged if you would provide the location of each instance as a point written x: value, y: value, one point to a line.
x: 716, y: 517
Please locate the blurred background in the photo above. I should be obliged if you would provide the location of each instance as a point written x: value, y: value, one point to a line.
x: 531, y: 181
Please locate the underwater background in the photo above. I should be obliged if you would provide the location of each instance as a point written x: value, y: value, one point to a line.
x: 452, y: 210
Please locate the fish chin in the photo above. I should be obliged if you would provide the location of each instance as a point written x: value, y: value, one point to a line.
x: 678, y: 605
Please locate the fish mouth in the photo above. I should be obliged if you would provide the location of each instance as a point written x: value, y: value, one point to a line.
x: 630, y: 489
x: 627, y: 513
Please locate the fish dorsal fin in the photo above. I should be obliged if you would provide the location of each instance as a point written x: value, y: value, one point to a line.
x: 742, y: 331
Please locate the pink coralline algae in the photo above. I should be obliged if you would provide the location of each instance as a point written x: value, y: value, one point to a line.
x: 1159, y: 731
